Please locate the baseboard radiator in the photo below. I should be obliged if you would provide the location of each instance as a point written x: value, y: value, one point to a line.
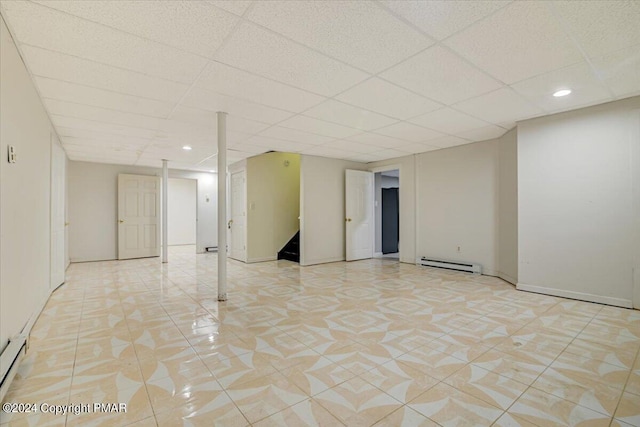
x: 450, y: 265
x: 9, y: 361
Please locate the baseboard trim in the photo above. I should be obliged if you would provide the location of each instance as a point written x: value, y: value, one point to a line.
x: 322, y: 261
x: 618, y: 302
x: 377, y: 254
x: 507, y: 278
x: 263, y: 259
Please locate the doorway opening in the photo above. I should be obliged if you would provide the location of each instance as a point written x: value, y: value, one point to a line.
x: 387, y: 214
x: 182, y: 214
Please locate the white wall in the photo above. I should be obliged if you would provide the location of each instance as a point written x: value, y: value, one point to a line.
x: 578, y: 203
x: 457, y: 201
x: 407, y: 196
x: 322, y: 193
x: 93, y: 208
x: 24, y: 195
x: 182, y: 215
x: 508, y: 207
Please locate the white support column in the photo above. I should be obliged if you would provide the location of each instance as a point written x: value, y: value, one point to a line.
x: 222, y: 205
x: 165, y: 211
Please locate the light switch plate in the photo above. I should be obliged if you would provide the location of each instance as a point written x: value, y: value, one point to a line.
x: 13, y: 157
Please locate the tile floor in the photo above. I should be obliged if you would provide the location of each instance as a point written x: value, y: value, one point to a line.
x: 363, y: 343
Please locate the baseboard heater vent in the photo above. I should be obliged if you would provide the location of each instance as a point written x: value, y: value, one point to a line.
x: 459, y: 266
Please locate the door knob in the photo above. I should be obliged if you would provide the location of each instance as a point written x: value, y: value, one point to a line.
x: 121, y: 221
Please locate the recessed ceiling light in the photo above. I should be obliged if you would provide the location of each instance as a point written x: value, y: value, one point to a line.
x: 186, y: 147
x: 562, y: 92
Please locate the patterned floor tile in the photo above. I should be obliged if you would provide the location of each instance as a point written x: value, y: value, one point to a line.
x: 544, y: 409
x: 265, y: 396
x: 449, y: 406
x: 305, y: 413
x: 406, y: 417
x: 485, y: 385
x: 357, y: 402
x: 629, y: 409
x: 402, y: 382
x: 304, y: 345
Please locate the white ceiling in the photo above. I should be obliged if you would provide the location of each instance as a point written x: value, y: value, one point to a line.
x: 133, y: 81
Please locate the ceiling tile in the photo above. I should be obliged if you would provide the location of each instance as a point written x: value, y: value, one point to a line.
x: 390, y: 153
x: 448, y: 141
x: 262, y: 52
x: 586, y: 88
x: 234, y: 6
x: 417, y: 148
x: 502, y: 105
x: 383, y: 97
x: 50, y: 29
x: 356, y: 147
x: 440, y: 19
x: 409, y: 132
x: 104, y: 115
x: 620, y: 71
x: 68, y: 68
x: 115, y: 141
x: 601, y: 26
x: 279, y: 144
x: 208, y: 100
x: 447, y: 120
x: 378, y: 140
x: 439, y: 74
x: 329, y: 152
x: 320, y: 127
x: 192, y: 26
x: 93, y: 135
x: 241, y: 84
x: 63, y: 91
x: 338, y: 112
x: 364, y: 158
x: 346, y: 30
x: 295, y: 135
x: 90, y: 125
x: 209, y: 120
x: 520, y: 41
x: 484, y: 133
x: 248, y: 148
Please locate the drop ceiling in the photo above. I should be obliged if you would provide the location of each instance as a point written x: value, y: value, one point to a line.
x: 132, y: 82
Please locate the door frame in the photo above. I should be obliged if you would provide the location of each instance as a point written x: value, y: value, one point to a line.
x: 242, y: 170
x: 58, y: 162
x: 388, y: 168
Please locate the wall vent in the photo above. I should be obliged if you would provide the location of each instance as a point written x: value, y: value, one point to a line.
x: 450, y: 265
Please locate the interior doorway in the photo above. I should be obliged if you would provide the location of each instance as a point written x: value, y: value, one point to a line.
x: 387, y: 213
x: 182, y: 214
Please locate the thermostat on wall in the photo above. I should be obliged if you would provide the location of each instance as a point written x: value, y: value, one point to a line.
x: 12, y: 154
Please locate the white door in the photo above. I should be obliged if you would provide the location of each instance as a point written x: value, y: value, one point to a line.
x: 359, y: 219
x: 237, y: 223
x: 138, y: 216
x: 58, y: 262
